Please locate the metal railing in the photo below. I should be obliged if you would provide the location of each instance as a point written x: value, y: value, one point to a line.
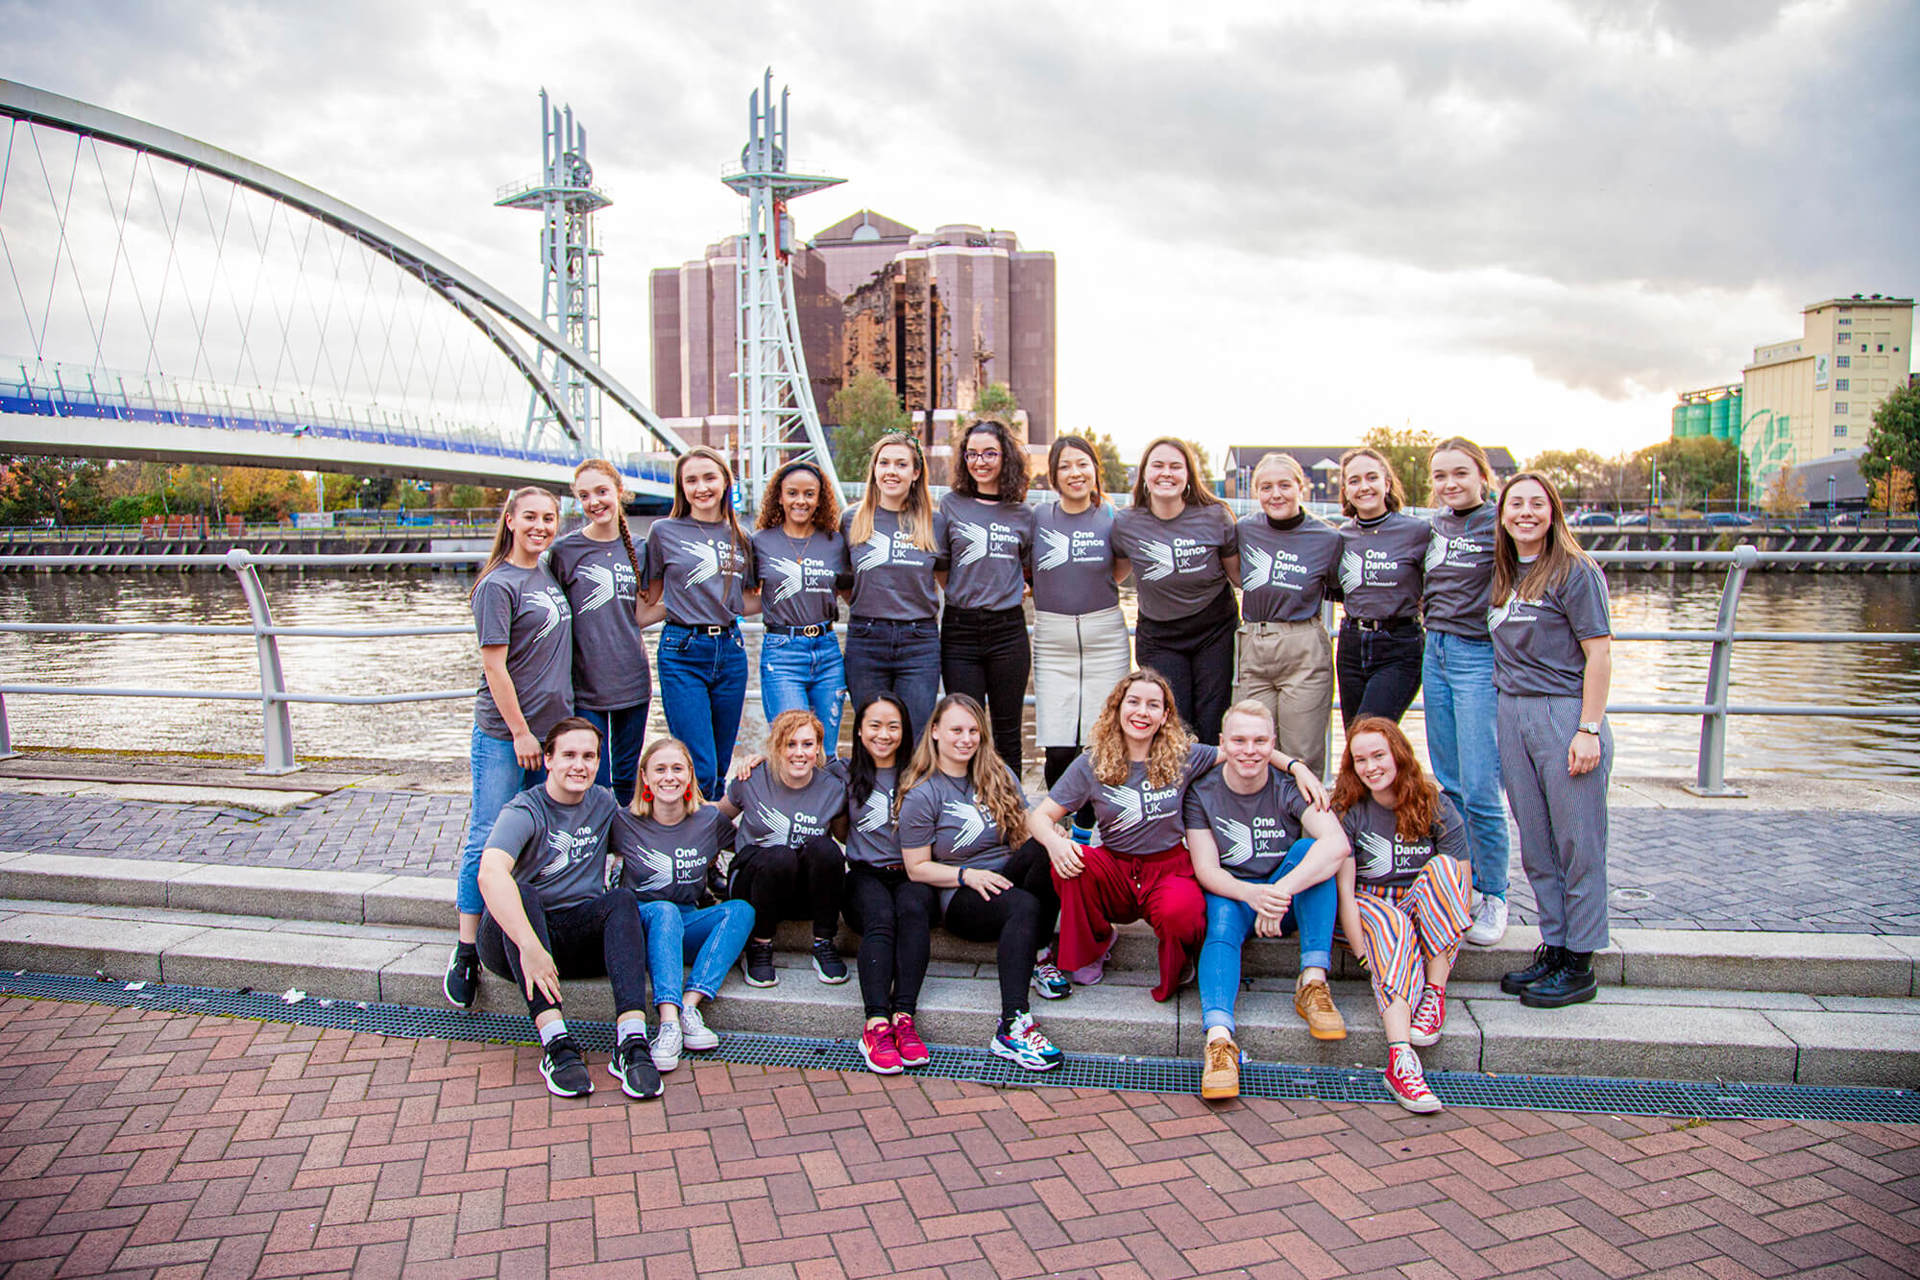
x: 276, y: 699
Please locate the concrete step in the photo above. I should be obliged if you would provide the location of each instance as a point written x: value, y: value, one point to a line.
x: 1649, y: 1032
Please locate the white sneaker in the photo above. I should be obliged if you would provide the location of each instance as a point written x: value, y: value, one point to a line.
x: 694, y: 1032
x: 666, y: 1047
x: 1489, y: 921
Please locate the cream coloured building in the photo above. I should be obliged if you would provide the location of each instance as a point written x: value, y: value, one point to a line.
x: 1814, y: 395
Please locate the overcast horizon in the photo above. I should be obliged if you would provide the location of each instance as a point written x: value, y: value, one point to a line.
x: 1531, y: 223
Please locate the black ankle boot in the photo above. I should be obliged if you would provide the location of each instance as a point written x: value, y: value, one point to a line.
x: 1571, y: 983
x: 1546, y: 959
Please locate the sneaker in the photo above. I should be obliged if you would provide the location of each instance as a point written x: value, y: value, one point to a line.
x: 1088, y: 975
x: 1572, y: 983
x: 1408, y: 1083
x: 1429, y: 1016
x: 1220, y: 1076
x: 667, y: 1042
x: 462, y: 982
x: 565, y: 1070
x: 913, y: 1050
x: 881, y: 1054
x: 1023, y: 1044
x: 632, y: 1065
x: 1048, y: 982
x: 694, y: 1032
x: 756, y: 964
x: 1545, y: 960
x: 1314, y: 1003
x: 1489, y: 921
x: 827, y: 963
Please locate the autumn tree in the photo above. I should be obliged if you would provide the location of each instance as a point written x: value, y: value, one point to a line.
x: 1785, y: 495
x: 862, y: 411
x: 1892, y: 458
x: 1695, y: 469
x: 65, y: 491
x: 1113, y: 467
x: 1574, y: 472
x: 1407, y: 451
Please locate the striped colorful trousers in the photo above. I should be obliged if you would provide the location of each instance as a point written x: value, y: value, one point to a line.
x: 1405, y: 925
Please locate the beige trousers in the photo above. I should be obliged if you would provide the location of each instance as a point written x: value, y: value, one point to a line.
x: 1289, y: 667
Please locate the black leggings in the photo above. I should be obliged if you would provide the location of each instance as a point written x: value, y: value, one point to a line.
x: 790, y: 884
x: 1378, y: 671
x: 986, y: 654
x: 893, y: 961
x: 1020, y: 918
x: 1059, y: 760
x: 601, y: 938
x: 1196, y: 656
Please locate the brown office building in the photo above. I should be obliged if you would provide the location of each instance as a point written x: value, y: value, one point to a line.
x: 939, y: 315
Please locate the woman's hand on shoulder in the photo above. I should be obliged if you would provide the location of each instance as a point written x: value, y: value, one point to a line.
x: 745, y: 767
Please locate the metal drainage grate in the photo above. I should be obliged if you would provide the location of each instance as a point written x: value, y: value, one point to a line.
x: 1708, y: 1100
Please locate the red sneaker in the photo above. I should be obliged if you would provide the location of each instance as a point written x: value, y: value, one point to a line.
x: 1408, y: 1083
x: 877, y: 1047
x: 1429, y: 1016
x: 913, y: 1050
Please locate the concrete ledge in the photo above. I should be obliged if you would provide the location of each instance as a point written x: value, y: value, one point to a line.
x: 1907, y: 946
x: 1646, y: 1041
x: 79, y: 944
x: 345, y: 968
x: 64, y: 877
x: 1268, y: 1029
x: 281, y: 892
x: 421, y: 900
x: 1854, y: 1048
x: 1844, y: 964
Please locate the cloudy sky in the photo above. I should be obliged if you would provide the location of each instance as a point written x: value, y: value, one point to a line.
x: 1528, y: 221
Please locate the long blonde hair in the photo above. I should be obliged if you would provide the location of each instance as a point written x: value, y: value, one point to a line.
x: 642, y: 804
x: 916, y: 518
x: 1166, y: 754
x: 619, y: 506
x: 503, y: 532
x: 683, y: 509
x: 993, y: 785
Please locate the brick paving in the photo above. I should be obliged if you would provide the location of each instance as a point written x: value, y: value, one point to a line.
x: 136, y: 1143
x: 1774, y: 870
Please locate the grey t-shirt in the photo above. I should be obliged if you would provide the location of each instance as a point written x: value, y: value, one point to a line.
x: 1286, y: 573
x: 1135, y: 819
x: 560, y: 850
x: 525, y: 610
x: 1253, y: 832
x: 670, y: 864
x: 941, y: 813
x: 1176, y: 563
x: 893, y: 578
x: 1073, y: 560
x: 1536, y: 643
x: 1459, y: 571
x: 1382, y: 857
x: 609, y: 662
x: 774, y: 815
x: 1380, y: 566
x: 987, y: 546
x: 796, y: 577
x: 703, y: 570
x: 872, y: 837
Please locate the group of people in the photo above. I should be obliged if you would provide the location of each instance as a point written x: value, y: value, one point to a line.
x: 1183, y: 763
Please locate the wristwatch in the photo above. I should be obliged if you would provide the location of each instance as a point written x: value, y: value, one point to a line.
x: 1590, y: 726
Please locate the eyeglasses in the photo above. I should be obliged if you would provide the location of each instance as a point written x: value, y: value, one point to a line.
x: 982, y: 455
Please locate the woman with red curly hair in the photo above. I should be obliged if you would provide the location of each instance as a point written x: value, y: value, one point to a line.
x: 1403, y: 897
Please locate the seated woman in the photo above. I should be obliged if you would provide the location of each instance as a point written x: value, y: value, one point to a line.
x: 1266, y: 856
x: 1403, y: 897
x: 673, y: 838
x: 960, y: 808
x: 792, y: 811
x: 549, y: 914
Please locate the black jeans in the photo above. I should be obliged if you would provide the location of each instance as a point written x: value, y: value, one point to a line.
x: 1378, y: 671
x: 1020, y: 918
x: 601, y: 938
x: 893, y: 961
x: 987, y: 655
x: 791, y: 884
x: 1196, y: 656
x: 1059, y: 760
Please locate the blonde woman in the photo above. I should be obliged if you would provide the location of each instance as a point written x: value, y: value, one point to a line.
x: 896, y: 543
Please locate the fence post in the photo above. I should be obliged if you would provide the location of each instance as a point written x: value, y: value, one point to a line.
x: 276, y: 717
x: 6, y: 736
x: 1710, y: 772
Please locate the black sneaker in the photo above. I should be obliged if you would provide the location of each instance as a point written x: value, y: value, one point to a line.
x: 1545, y: 960
x: 827, y: 962
x: 564, y: 1069
x: 1572, y: 983
x: 632, y: 1065
x: 756, y: 963
x: 462, y: 982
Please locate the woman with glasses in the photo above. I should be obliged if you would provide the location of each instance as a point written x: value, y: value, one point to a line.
x: 984, y: 652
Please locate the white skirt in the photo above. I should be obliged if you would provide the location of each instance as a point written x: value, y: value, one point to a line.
x: 1077, y: 659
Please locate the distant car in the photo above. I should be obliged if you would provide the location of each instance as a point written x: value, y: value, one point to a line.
x: 1595, y: 517
x: 1731, y: 519
x: 1635, y: 521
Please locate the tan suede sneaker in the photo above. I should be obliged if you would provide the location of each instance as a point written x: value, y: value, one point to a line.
x: 1220, y: 1079
x: 1314, y: 1003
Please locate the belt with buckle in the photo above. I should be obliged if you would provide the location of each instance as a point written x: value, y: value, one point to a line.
x: 1381, y: 624
x: 704, y: 628
x: 811, y: 629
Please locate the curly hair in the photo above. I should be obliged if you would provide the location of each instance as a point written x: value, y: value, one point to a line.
x: 1166, y: 755
x: 1416, y: 801
x: 1011, y: 484
x: 992, y: 780
x: 826, y: 511
x: 790, y: 722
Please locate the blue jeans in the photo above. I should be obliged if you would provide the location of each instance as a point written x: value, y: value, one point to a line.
x: 1462, y: 708
x: 1230, y: 921
x: 704, y: 681
x: 623, y: 731
x: 497, y: 778
x: 804, y: 671
x: 901, y: 657
x: 711, y: 937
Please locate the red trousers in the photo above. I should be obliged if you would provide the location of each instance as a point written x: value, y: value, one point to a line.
x: 1114, y: 889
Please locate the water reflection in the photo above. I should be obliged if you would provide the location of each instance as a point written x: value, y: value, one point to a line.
x: 1644, y: 672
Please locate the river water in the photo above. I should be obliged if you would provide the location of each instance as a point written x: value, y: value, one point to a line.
x: 1644, y: 671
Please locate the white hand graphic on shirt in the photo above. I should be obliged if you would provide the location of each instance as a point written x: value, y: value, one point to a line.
x: 556, y: 610
x: 779, y: 826
x: 1239, y: 837
x: 1055, y: 548
x: 1256, y: 568
x: 873, y: 553
x: 1375, y: 854
x: 977, y: 540
x: 792, y: 576
x: 875, y: 813
x: 604, y: 589
x: 1353, y: 571
x: 706, y: 556
x: 659, y: 865
x: 1436, y: 551
x: 1132, y: 808
x: 563, y: 845
x: 1159, y: 558
x: 972, y: 822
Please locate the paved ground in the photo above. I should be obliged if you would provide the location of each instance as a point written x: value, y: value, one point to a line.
x: 1772, y: 869
x: 138, y: 1143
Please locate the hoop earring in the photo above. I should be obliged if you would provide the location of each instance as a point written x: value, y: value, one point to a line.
x: 646, y: 793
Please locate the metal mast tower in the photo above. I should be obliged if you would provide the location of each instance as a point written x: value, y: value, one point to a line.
x: 778, y: 419
x: 570, y: 295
